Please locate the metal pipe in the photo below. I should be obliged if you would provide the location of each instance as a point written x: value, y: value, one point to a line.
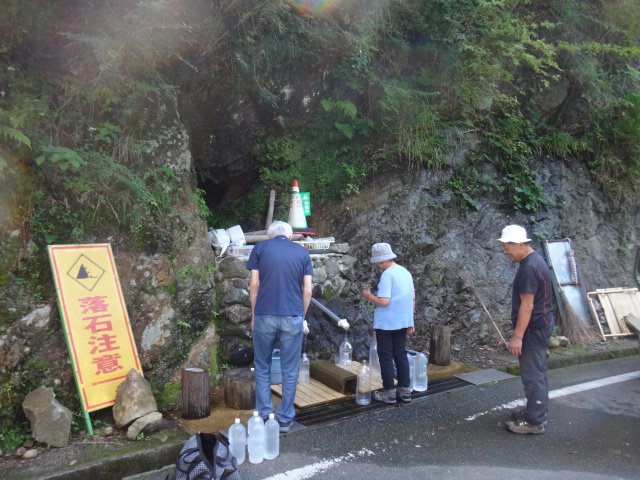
x: 325, y: 310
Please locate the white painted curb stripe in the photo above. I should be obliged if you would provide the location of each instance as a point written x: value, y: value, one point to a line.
x: 309, y: 471
x: 561, y: 392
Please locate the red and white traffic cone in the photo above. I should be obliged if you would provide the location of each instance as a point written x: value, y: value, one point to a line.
x: 296, y: 212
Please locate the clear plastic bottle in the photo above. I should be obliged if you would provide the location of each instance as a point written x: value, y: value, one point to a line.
x: 363, y: 389
x: 250, y: 425
x: 272, y: 438
x: 411, y: 370
x: 421, y: 380
x: 374, y: 360
x: 345, y: 354
x: 238, y: 441
x: 303, y: 373
x: 256, y: 440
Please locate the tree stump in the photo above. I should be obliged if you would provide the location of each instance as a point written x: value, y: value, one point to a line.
x: 239, y: 389
x: 440, y: 345
x: 196, y: 399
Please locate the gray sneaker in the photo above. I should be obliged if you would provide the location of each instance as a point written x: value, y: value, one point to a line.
x: 523, y: 427
x: 386, y: 396
x: 404, y: 394
x: 518, y: 414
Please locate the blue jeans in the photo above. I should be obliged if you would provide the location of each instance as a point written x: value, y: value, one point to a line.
x: 266, y: 330
x: 392, y: 346
x: 533, y: 373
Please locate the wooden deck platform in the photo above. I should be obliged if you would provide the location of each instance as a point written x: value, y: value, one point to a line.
x: 317, y: 393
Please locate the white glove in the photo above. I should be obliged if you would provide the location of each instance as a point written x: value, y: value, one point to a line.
x: 305, y: 327
x: 344, y: 324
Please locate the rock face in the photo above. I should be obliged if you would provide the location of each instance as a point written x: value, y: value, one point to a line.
x: 50, y: 421
x: 134, y: 400
x: 437, y: 240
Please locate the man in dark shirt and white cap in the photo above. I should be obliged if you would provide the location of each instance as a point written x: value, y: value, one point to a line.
x: 532, y: 321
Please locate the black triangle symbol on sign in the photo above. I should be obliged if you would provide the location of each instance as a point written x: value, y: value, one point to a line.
x: 82, y: 273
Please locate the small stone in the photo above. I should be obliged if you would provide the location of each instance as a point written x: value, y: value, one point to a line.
x: 28, y: 443
x: 108, y: 431
x: 73, y: 462
x: 33, y: 453
x: 21, y: 451
x: 554, y: 342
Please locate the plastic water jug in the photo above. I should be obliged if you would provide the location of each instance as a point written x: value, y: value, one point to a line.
x: 363, y: 389
x: 256, y: 440
x: 374, y: 360
x: 238, y: 441
x: 272, y: 438
x: 303, y: 373
x: 276, y: 369
x: 420, y: 379
x: 345, y: 354
x: 410, y: 358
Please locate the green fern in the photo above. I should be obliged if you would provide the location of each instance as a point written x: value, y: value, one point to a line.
x: 15, y: 135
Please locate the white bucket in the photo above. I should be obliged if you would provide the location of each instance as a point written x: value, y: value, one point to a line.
x: 236, y: 236
x: 220, y: 238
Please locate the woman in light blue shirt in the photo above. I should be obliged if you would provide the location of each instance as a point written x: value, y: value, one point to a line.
x: 393, y: 319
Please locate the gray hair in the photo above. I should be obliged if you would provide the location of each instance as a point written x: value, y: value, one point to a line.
x: 279, y: 228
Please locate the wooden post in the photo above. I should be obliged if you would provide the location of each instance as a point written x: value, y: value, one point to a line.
x: 196, y: 399
x: 272, y: 201
x: 440, y: 346
x: 239, y: 389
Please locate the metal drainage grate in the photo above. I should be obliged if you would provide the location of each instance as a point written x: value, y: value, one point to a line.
x: 333, y: 412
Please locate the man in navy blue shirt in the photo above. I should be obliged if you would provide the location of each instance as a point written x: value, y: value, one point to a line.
x: 281, y: 285
x: 532, y: 321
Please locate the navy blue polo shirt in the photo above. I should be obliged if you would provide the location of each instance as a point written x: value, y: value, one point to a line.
x: 282, y: 265
x: 534, y: 277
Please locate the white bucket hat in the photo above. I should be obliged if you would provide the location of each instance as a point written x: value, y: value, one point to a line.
x: 514, y: 234
x: 381, y: 252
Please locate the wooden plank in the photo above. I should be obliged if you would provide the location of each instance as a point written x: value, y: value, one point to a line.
x: 634, y: 322
x: 317, y: 393
x: 594, y: 314
x: 610, y: 315
x: 622, y: 306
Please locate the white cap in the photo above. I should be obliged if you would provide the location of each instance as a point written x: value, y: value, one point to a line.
x: 272, y: 415
x: 237, y: 420
x: 514, y: 234
x: 344, y: 324
x: 255, y: 413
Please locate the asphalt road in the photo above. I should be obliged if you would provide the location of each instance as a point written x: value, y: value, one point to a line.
x: 593, y: 434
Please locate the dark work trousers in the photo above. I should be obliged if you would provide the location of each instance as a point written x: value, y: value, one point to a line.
x: 392, y: 346
x: 533, y: 373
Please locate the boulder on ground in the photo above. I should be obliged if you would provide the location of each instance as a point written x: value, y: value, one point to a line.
x: 146, y: 425
x: 134, y: 400
x: 50, y: 421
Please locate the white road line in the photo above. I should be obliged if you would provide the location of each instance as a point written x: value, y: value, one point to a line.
x: 309, y: 471
x: 561, y: 392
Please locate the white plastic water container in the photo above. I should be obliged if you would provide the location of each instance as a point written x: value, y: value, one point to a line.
x: 250, y: 424
x: 272, y: 438
x: 345, y: 354
x: 304, y: 372
x: 256, y: 440
x: 238, y: 441
x: 374, y: 360
x: 363, y: 388
x: 420, y: 379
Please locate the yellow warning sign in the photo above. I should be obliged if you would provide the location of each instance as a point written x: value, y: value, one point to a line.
x: 95, y: 321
